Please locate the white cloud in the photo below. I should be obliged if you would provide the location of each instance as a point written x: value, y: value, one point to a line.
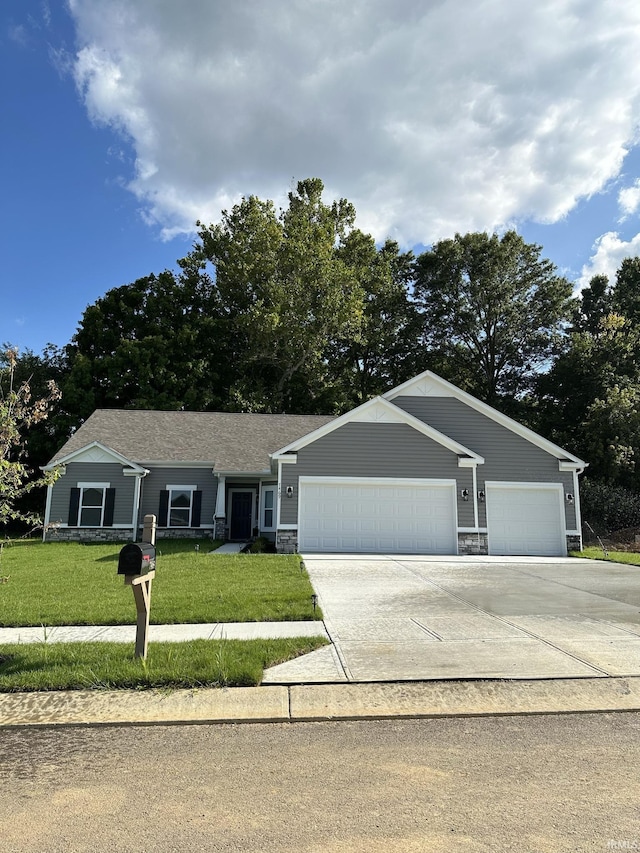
x: 608, y: 253
x: 431, y: 116
x: 629, y: 199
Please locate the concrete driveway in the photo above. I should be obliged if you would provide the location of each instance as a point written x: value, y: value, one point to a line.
x: 420, y: 618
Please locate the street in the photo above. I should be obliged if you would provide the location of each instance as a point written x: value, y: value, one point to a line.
x: 537, y: 783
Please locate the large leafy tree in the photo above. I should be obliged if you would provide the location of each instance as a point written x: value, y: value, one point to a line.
x: 383, y: 351
x: 493, y: 312
x: 590, y: 398
x: 159, y: 343
x: 288, y: 292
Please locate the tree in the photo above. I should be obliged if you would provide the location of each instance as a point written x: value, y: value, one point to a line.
x: 287, y: 292
x: 594, y: 305
x: 383, y: 352
x: 19, y: 411
x: 626, y: 291
x: 589, y: 399
x: 493, y: 310
x: 159, y: 343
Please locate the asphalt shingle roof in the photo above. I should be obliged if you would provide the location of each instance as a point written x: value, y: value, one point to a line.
x: 229, y: 441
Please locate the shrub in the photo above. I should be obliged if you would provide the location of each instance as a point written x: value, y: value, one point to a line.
x: 609, y: 508
x: 262, y: 545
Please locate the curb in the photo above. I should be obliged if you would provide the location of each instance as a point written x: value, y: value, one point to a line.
x: 313, y: 703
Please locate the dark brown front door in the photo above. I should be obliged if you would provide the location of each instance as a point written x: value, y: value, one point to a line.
x: 241, y: 506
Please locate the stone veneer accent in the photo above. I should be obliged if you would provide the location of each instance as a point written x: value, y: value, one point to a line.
x: 574, y: 543
x: 89, y: 534
x: 287, y: 541
x: 120, y: 534
x: 472, y: 543
x: 219, y: 528
x: 183, y: 532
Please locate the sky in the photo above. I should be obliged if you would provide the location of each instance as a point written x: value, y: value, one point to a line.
x: 125, y: 121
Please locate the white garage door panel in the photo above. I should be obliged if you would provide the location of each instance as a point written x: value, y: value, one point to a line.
x: 525, y: 521
x: 380, y: 518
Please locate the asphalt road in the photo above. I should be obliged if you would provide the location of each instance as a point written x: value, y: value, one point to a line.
x: 544, y: 783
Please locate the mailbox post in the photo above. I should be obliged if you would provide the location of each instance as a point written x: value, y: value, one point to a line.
x: 137, y: 562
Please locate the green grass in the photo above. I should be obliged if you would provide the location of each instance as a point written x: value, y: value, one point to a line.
x: 613, y: 556
x: 67, y: 583
x: 199, y: 663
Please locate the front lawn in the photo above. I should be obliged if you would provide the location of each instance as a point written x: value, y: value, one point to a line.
x: 67, y: 583
x: 199, y: 663
x: 613, y: 556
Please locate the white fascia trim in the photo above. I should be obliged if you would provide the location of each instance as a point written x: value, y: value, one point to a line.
x: 383, y: 481
x: 466, y: 462
x: 564, y: 465
x: 266, y: 472
x: 490, y: 412
x: 128, y: 472
x: 288, y: 527
x: 118, y: 457
x: 290, y: 458
x: 168, y: 463
x: 405, y: 417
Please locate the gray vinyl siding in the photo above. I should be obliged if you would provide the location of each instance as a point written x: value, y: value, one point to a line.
x: 158, y: 479
x: 375, y: 450
x: 508, y: 457
x: 93, y: 472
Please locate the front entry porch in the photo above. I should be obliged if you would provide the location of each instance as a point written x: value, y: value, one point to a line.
x: 244, y: 509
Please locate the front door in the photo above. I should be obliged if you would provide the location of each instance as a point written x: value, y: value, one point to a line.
x: 241, y: 525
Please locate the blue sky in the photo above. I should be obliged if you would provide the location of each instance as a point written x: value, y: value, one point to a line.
x: 124, y: 122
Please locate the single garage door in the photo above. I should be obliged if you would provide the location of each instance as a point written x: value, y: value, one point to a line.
x: 526, y: 519
x: 377, y: 516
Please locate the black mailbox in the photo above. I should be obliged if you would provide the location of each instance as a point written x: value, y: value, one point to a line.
x: 137, y: 558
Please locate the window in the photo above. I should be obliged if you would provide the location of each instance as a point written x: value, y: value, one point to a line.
x: 180, y: 505
x: 268, y: 508
x: 92, y: 503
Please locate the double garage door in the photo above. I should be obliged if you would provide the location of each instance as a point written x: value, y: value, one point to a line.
x: 420, y: 517
x: 378, y: 516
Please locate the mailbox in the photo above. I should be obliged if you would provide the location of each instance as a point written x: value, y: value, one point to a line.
x: 137, y: 558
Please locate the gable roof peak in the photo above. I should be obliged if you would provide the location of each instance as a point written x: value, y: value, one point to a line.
x: 429, y: 384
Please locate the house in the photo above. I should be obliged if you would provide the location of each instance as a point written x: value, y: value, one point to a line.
x: 425, y: 468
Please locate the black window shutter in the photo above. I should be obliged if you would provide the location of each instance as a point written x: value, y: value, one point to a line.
x: 74, y: 507
x: 163, y: 510
x: 109, y: 504
x: 196, y: 509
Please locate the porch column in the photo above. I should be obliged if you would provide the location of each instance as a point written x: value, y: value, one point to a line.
x: 220, y: 514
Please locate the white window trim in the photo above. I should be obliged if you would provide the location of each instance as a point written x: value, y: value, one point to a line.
x: 272, y: 487
x: 172, y: 487
x: 83, y: 487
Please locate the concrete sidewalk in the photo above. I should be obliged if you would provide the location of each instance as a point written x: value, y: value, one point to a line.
x: 301, y: 703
